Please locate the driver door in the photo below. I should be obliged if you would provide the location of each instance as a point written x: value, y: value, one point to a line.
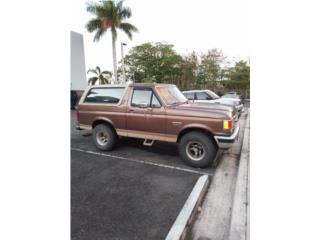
x: 138, y: 109
x: 145, y: 115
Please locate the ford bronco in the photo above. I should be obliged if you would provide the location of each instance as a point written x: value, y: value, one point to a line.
x: 157, y: 112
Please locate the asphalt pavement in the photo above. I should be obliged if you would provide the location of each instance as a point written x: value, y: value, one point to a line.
x: 113, y: 197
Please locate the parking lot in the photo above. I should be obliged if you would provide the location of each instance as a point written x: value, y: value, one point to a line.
x: 132, y: 192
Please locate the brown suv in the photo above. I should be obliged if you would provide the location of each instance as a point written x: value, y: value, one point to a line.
x: 157, y: 112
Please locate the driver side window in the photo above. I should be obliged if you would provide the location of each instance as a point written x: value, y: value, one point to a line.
x: 203, y: 96
x: 141, y: 96
x: 145, y: 96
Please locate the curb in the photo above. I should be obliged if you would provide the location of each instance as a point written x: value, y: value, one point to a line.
x: 180, y: 227
x: 239, y: 227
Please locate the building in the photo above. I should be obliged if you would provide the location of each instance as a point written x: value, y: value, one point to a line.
x: 78, y: 68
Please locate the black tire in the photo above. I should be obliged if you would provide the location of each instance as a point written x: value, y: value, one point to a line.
x: 195, y: 144
x: 110, y: 137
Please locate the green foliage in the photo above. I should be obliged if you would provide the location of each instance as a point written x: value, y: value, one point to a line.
x: 159, y: 62
x: 153, y: 62
x: 210, y: 68
x: 100, y: 77
x: 240, y: 72
x: 238, y: 78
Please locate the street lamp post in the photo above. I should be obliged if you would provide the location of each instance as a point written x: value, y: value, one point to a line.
x: 123, y: 70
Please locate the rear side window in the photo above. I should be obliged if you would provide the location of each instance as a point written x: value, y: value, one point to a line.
x: 104, y: 95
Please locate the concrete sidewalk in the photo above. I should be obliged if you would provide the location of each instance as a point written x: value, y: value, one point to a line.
x: 223, y: 214
x: 239, y: 227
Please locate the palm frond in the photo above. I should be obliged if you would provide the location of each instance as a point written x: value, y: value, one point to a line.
x: 91, y: 7
x: 125, y: 13
x: 98, y: 70
x: 102, y: 11
x: 98, y: 35
x: 106, y: 73
x: 93, y: 24
x: 103, y: 80
x: 92, y: 71
x: 92, y: 80
x: 128, y: 29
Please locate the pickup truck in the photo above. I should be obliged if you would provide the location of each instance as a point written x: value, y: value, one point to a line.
x: 157, y: 112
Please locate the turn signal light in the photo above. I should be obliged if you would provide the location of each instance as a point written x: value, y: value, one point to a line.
x: 227, y: 124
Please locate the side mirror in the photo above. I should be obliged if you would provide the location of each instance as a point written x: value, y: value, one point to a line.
x: 144, y: 105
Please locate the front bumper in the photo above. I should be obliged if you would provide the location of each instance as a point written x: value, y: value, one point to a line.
x: 239, y: 108
x: 225, y: 142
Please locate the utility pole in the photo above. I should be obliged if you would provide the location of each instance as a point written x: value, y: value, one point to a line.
x: 123, y: 70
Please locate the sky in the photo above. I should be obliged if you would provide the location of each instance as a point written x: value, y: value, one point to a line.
x: 188, y: 25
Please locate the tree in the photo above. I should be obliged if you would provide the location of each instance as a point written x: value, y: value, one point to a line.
x: 189, y: 70
x: 153, y: 62
x: 103, y: 77
x: 238, y: 78
x: 240, y: 72
x: 110, y: 15
x: 209, y: 70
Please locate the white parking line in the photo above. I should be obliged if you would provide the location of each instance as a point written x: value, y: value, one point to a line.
x: 142, y: 161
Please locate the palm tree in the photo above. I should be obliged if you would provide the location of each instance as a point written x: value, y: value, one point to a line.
x: 103, y: 77
x: 110, y: 15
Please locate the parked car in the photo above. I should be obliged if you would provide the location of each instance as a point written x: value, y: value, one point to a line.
x: 211, y: 97
x: 231, y: 95
x: 157, y: 112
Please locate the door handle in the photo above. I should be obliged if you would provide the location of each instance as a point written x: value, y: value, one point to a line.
x: 131, y: 110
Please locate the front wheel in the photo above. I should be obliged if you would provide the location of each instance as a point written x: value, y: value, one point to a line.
x: 104, y: 137
x: 197, y: 149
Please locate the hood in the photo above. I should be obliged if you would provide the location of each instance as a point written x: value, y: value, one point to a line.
x: 228, y: 101
x: 196, y: 108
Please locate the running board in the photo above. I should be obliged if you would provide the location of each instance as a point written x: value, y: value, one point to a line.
x: 148, y: 142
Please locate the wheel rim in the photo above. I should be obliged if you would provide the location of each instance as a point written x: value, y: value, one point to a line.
x: 102, y: 138
x: 195, y: 150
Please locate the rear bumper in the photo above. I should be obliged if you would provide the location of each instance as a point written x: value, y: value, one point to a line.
x: 77, y: 126
x: 225, y: 142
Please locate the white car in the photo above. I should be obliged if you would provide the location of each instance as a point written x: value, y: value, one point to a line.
x: 210, y: 97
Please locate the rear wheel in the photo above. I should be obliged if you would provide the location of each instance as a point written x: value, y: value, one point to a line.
x: 197, y: 149
x: 104, y: 137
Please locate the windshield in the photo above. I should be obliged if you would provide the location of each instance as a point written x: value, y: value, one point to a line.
x: 212, y: 94
x: 171, y: 95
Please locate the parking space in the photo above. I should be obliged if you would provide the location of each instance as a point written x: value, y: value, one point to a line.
x: 116, y: 199
x: 132, y: 192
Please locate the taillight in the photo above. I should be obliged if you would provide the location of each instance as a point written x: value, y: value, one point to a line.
x: 227, y: 124
x: 78, y: 116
